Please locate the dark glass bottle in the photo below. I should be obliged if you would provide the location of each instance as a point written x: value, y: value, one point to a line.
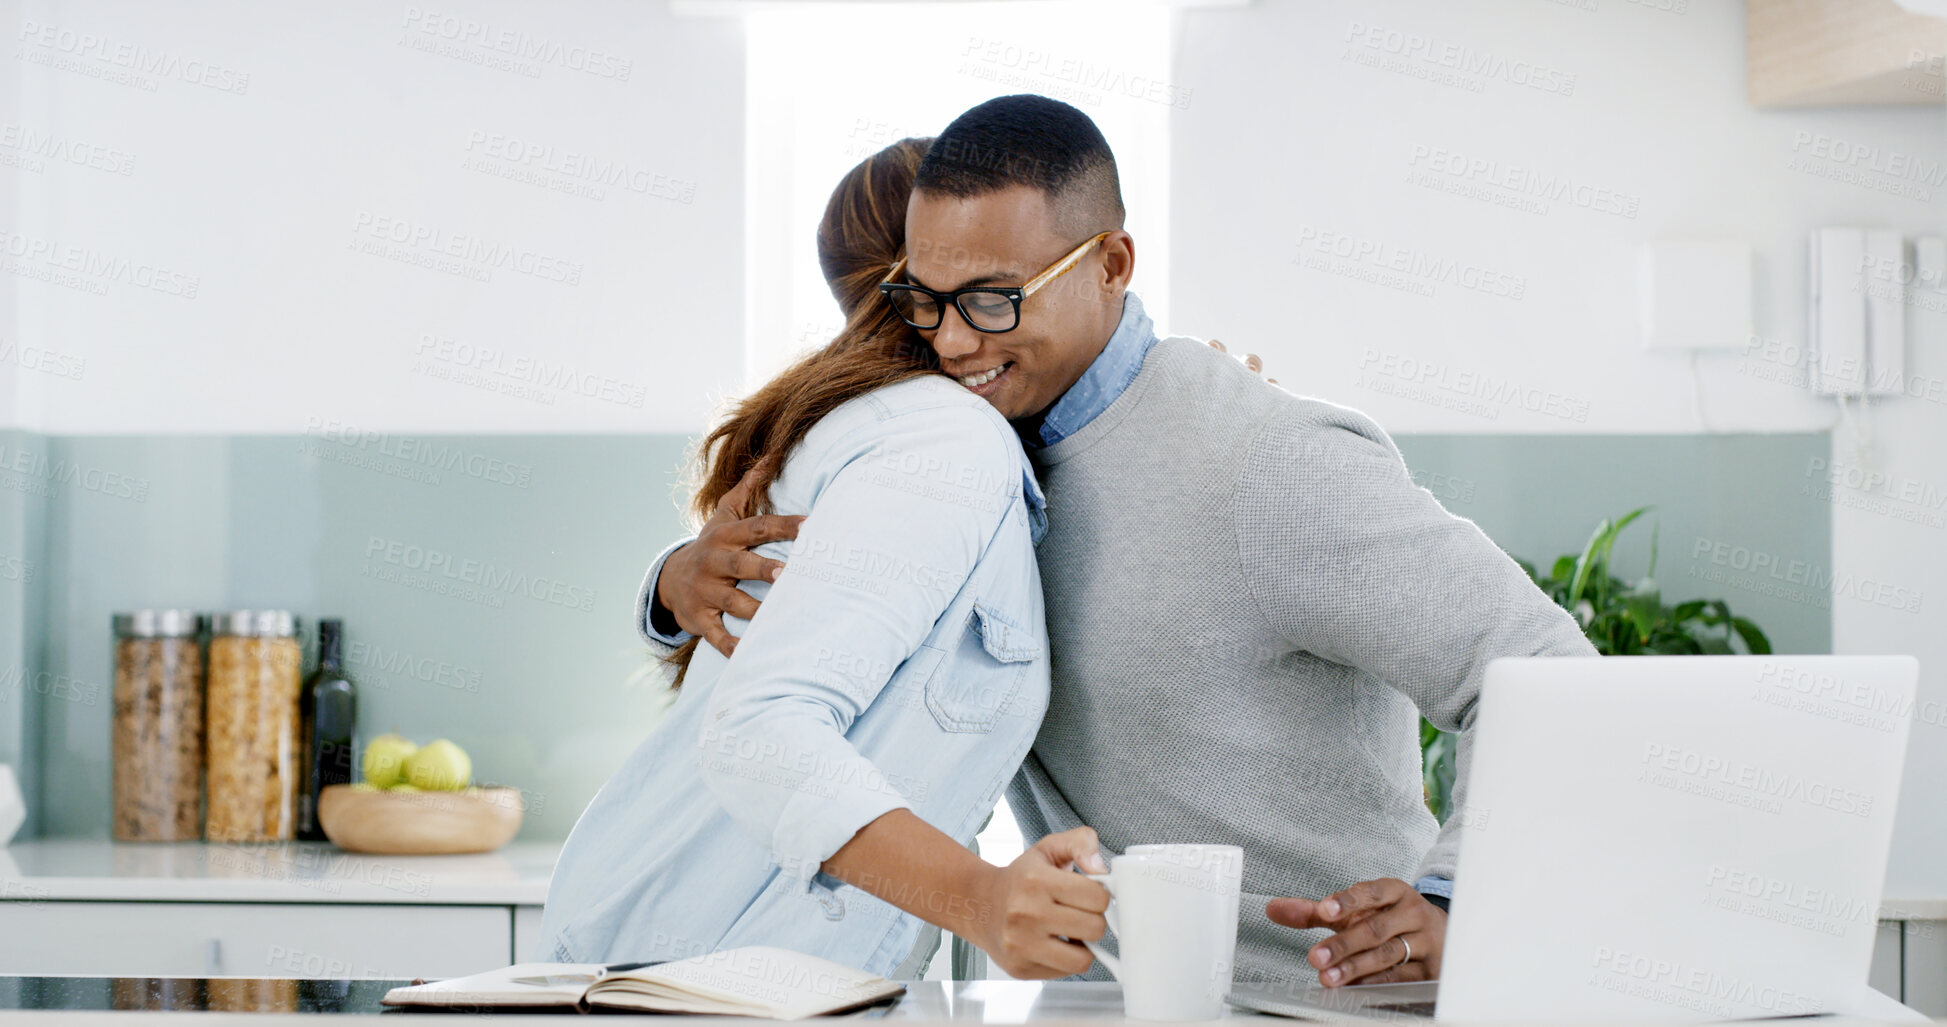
x: 330, y: 721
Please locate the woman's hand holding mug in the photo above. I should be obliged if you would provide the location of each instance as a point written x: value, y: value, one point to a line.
x: 1038, y: 913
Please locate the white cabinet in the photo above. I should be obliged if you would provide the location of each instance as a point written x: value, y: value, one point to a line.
x: 159, y: 939
x: 1924, y: 966
x: 1910, y: 957
x: 1883, y: 975
x: 280, y: 909
x: 529, y: 946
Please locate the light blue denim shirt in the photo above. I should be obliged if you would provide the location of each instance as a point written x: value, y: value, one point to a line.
x: 900, y: 661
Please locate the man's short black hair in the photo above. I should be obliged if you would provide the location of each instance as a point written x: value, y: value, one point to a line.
x: 1034, y: 141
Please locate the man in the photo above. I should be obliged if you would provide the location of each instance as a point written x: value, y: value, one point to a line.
x: 1249, y: 602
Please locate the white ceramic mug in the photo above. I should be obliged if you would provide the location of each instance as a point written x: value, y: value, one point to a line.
x: 1173, y: 909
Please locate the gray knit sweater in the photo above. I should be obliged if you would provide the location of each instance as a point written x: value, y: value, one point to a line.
x: 1247, y: 600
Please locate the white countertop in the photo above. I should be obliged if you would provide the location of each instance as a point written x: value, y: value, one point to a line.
x: 991, y: 1002
x: 57, y: 869
x: 986, y: 1002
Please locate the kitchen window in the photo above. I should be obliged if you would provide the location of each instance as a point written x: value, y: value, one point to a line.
x: 811, y: 118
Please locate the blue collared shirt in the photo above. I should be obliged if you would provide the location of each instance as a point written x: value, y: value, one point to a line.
x: 1106, y: 378
x: 901, y: 662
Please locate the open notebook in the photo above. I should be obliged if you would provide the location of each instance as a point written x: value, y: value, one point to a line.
x: 772, y: 983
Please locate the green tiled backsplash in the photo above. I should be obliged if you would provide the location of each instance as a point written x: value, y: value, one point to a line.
x: 487, y: 582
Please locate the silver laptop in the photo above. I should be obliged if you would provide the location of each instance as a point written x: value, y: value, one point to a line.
x: 1662, y: 838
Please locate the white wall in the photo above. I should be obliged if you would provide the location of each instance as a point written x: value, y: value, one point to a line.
x: 251, y: 155
x: 1872, y: 546
x: 260, y: 195
x: 1291, y: 134
x: 10, y: 188
x: 1294, y: 133
x: 15, y: 732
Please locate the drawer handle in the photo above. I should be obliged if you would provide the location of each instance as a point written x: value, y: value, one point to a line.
x: 216, y: 956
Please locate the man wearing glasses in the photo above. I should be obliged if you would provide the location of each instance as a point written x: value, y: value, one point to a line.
x: 1249, y: 602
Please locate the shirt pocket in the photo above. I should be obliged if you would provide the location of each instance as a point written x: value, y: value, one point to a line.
x: 978, y: 680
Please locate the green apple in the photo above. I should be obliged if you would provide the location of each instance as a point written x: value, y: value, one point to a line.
x: 402, y: 787
x: 385, y: 760
x: 439, y: 766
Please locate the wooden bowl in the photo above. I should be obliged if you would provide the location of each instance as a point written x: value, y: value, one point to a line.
x: 419, y: 823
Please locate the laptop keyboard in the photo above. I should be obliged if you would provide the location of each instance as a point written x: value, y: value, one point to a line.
x: 1424, y: 1009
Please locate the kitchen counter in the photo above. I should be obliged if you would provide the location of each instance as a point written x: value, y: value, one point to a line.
x: 178, y: 1000
x: 515, y: 875
x: 308, y: 909
x: 96, y: 869
x: 63, y: 869
x: 89, y: 1001
x: 284, y: 909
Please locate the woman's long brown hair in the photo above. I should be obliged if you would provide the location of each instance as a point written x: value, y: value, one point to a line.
x: 859, y: 240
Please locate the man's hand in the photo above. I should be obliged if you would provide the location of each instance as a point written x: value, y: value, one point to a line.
x: 1376, y: 922
x: 698, y: 584
x: 1039, y: 912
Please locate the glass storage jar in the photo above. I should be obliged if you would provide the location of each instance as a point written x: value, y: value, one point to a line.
x: 251, y: 994
x: 158, y: 727
x: 254, y: 733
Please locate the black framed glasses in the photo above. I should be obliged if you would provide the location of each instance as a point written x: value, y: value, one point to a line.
x: 987, y: 308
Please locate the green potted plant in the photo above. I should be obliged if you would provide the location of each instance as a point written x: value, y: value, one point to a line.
x: 1620, y: 618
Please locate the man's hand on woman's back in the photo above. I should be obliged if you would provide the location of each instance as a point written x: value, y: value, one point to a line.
x: 698, y: 584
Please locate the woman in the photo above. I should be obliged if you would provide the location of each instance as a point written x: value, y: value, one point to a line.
x: 818, y: 791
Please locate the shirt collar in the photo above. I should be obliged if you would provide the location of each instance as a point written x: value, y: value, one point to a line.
x: 1099, y: 386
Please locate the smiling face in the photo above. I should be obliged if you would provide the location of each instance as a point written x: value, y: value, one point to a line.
x: 1006, y: 237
